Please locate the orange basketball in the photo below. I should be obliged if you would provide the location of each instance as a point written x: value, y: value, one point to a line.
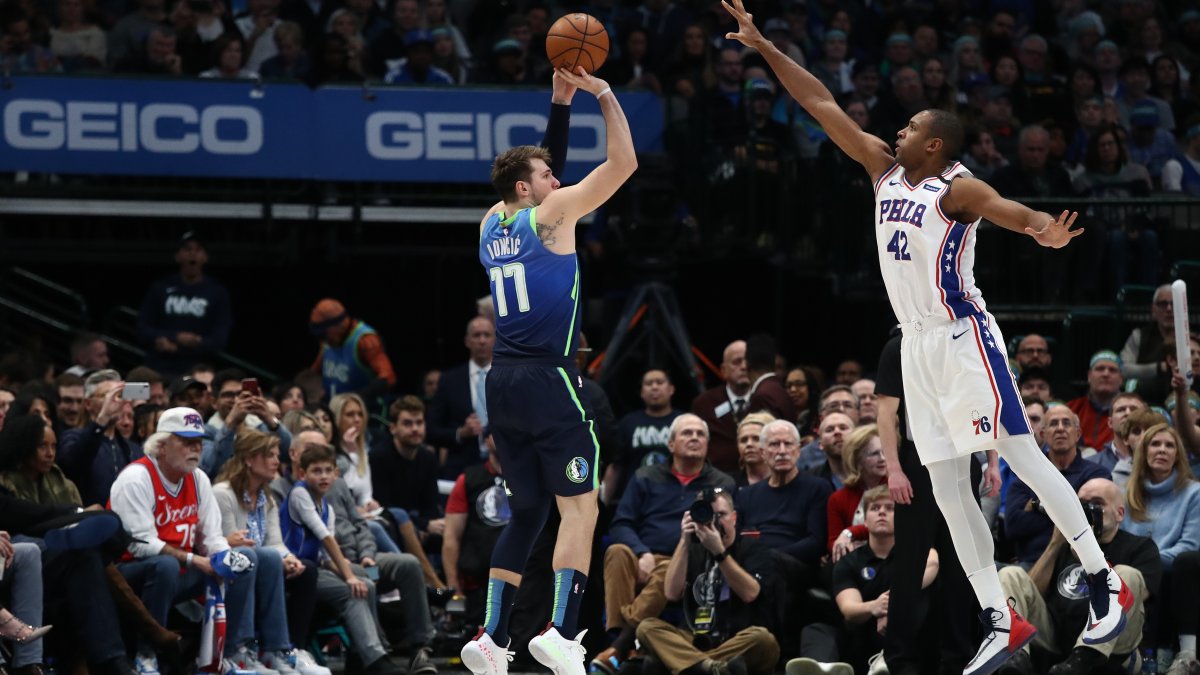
x: 577, y: 40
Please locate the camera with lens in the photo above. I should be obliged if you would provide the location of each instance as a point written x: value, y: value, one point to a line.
x: 1095, y: 516
x: 701, y: 510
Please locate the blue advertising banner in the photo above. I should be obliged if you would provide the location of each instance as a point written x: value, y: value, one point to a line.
x: 237, y: 129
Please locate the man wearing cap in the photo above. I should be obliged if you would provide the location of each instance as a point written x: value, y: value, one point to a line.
x: 167, y: 506
x: 1135, y: 91
x: 1150, y: 144
x: 1182, y: 172
x: 1107, y: 58
x: 1095, y: 407
x: 93, y: 455
x: 186, y: 317
x: 507, y: 64
x: 352, y: 358
x: 417, y: 67
x: 779, y: 32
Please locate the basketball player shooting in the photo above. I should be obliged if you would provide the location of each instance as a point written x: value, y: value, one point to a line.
x: 961, y: 397
x: 536, y: 417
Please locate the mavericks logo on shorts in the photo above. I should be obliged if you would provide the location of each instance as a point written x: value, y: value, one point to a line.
x: 577, y: 470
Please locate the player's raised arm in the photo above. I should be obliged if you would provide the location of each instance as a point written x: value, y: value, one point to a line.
x: 971, y: 198
x: 871, y: 151
x: 562, y: 208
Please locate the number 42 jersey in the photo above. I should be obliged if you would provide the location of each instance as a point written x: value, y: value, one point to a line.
x: 927, y: 259
x: 535, y: 291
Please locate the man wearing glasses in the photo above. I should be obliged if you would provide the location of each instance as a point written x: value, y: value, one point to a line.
x: 1033, y: 352
x: 1142, y: 357
x: 93, y: 455
x: 839, y: 398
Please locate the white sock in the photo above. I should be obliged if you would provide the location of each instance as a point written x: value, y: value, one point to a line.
x: 1187, y: 643
x: 986, y: 583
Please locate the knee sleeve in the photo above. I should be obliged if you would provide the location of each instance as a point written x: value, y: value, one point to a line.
x: 516, y: 541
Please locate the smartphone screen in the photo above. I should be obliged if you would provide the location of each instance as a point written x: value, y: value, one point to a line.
x: 136, y: 391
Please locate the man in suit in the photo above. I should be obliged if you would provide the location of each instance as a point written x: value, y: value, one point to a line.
x: 724, y: 406
x: 767, y: 392
x: 458, y: 412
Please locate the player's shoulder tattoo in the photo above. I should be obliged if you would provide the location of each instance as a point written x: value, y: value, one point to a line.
x: 548, y: 232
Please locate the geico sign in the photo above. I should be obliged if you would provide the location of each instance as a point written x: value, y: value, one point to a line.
x: 466, y: 136
x: 38, y: 124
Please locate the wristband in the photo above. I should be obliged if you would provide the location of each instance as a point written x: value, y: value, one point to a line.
x: 720, y: 557
x: 187, y: 562
x: 606, y: 90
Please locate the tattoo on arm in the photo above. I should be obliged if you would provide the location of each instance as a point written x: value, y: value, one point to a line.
x: 546, y: 231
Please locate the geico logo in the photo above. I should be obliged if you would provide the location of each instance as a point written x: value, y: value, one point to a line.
x: 38, y: 124
x: 469, y: 136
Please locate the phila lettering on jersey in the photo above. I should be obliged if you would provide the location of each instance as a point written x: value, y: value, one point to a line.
x: 927, y: 259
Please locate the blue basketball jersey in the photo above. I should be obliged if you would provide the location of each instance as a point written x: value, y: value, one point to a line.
x: 535, y: 292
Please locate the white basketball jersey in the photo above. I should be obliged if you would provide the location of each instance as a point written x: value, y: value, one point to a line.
x: 926, y: 258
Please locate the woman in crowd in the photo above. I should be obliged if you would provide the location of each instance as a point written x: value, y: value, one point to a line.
x: 78, y: 44
x: 862, y: 454
x: 145, y: 421
x: 1162, y: 495
x: 967, y: 64
x: 27, y: 468
x: 446, y: 58
x: 229, y: 54
x: 350, y: 421
x: 688, y: 72
x: 1166, y: 82
x: 1006, y: 71
x: 630, y: 69
x: 833, y: 69
x: 981, y: 156
x: 36, y: 401
x: 323, y: 416
x: 291, y: 62
x: 1109, y: 173
x: 290, y: 397
x: 28, y: 447
x: 435, y: 18
x: 800, y: 385
x: 250, y: 517
x: 751, y: 460
x: 350, y: 427
x: 937, y: 87
x: 23, y: 575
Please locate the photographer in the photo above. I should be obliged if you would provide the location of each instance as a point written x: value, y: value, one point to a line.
x: 1053, y: 595
x: 726, y: 585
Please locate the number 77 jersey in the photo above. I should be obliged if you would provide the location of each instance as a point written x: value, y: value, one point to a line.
x: 535, y: 291
x: 927, y: 259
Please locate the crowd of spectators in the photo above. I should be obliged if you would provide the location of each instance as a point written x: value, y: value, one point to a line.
x: 355, y: 499
x: 1078, y: 100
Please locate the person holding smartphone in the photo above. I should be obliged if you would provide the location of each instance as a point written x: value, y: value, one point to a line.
x: 93, y: 455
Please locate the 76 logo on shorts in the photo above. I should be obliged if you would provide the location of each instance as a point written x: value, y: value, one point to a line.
x: 982, y: 425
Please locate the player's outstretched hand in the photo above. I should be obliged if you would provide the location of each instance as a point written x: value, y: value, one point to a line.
x: 561, y: 91
x: 899, y: 487
x: 1057, y: 233
x: 581, y: 79
x: 748, y: 33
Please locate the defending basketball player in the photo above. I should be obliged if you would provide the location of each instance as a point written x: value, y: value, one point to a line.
x: 961, y: 396
x: 533, y: 392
